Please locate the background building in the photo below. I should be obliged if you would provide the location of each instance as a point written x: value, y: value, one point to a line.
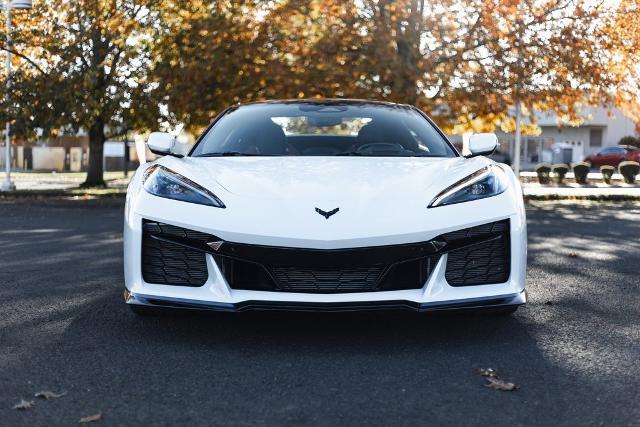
x: 69, y: 153
x: 601, y: 128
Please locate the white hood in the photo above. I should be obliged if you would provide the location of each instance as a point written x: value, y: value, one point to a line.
x: 330, y: 179
x: 274, y: 199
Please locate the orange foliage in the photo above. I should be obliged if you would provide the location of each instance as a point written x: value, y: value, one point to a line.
x: 463, y: 61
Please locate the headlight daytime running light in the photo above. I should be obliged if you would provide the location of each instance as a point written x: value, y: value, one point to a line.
x: 486, y: 182
x: 163, y: 182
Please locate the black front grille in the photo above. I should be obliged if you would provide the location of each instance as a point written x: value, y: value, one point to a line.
x: 356, y: 279
x: 176, y: 256
x: 481, y: 263
x: 326, y: 276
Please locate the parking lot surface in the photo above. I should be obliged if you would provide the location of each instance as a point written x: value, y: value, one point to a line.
x: 574, y: 350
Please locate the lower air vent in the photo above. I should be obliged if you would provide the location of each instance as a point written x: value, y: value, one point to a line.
x: 482, y: 263
x: 168, y: 263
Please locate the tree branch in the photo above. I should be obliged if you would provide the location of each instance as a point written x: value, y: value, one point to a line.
x: 26, y: 58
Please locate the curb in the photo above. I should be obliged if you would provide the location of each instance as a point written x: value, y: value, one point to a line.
x: 587, y: 197
x: 63, y: 198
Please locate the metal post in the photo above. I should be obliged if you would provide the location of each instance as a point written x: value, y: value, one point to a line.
x: 516, y: 154
x: 7, y: 185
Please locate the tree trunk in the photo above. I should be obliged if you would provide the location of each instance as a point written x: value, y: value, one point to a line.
x: 96, y: 145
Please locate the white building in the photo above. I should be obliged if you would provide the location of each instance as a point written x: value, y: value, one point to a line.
x: 601, y: 128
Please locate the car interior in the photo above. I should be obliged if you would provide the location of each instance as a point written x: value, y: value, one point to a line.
x: 374, y: 138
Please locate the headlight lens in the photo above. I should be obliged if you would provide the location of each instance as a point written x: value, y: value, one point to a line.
x: 163, y: 182
x: 488, y: 181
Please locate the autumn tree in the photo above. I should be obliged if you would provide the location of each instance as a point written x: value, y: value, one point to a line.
x: 84, y: 66
x: 212, y: 54
x: 312, y: 49
x: 552, y: 55
x: 109, y: 66
x: 622, y: 34
x: 204, y: 58
x: 464, y: 61
x: 468, y: 62
x: 243, y: 50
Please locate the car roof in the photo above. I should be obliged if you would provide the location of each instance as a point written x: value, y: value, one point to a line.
x: 329, y: 101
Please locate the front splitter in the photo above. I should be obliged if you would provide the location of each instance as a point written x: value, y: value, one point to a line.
x: 501, y: 301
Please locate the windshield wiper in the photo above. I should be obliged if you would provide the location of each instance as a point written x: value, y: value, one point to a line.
x: 227, y: 154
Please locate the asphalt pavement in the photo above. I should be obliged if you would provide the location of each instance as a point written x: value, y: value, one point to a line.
x: 574, y: 350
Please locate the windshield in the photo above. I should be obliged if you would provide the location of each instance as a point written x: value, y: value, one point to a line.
x: 323, y: 129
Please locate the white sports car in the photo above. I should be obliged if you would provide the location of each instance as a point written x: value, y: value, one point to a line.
x: 324, y: 205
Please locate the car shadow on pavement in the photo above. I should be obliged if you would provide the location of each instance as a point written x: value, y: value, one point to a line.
x: 572, y: 350
x: 342, y: 328
x: 323, y: 356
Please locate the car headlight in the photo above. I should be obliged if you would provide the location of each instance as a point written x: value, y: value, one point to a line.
x: 163, y: 182
x: 488, y: 181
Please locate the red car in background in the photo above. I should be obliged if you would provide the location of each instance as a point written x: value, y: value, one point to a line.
x: 612, y: 156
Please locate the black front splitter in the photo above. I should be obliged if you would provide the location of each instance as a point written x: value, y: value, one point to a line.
x: 501, y: 301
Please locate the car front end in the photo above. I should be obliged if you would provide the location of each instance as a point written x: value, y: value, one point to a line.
x: 324, y: 233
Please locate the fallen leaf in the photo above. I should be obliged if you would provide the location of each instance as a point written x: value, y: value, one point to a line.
x: 24, y: 404
x: 44, y: 394
x: 488, y: 372
x: 498, y: 384
x: 91, y: 418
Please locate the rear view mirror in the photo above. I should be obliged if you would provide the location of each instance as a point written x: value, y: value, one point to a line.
x: 162, y: 143
x: 482, y: 144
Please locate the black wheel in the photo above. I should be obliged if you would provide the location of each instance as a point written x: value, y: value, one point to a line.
x: 504, y: 311
x: 142, y: 310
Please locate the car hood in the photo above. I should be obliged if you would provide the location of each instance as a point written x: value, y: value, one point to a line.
x: 273, y: 200
x: 326, y: 181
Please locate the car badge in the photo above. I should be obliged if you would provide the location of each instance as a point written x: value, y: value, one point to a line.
x: 327, y: 214
x: 215, y: 245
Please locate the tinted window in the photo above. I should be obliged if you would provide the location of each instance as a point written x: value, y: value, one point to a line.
x: 323, y: 129
x: 612, y: 150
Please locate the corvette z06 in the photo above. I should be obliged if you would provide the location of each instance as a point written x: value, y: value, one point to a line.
x: 324, y: 205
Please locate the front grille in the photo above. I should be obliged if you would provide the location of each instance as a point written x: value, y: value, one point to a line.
x: 177, y: 256
x: 357, y: 279
x: 325, y: 277
x: 480, y: 263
